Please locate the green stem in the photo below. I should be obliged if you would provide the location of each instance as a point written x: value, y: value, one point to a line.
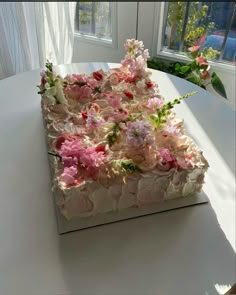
x: 54, y: 154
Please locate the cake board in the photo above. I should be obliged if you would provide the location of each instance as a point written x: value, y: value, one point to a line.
x: 79, y: 223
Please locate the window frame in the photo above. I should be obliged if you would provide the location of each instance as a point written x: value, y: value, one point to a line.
x: 102, y: 41
x: 150, y: 26
x: 159, y: 26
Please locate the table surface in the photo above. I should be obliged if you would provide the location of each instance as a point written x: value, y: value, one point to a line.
x: 186, y: 251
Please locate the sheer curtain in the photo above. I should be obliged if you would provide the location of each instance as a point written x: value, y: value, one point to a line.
x: 32, y: 32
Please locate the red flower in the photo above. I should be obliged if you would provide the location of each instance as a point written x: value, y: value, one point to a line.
x: 43, y: 81
x: 98, y: 76
x: 122, y: 111
x: 149, y: 84
x: 100, y: 148
x: 59, y: 141
x: 84, y: 115
x: 202, y: 61
x: 128, y: 94
x: 205, y: 75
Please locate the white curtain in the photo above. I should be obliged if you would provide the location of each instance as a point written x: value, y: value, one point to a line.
x: 32, y: 32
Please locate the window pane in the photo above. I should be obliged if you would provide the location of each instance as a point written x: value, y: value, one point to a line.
x: 94, y: 19
x: 210, y: 25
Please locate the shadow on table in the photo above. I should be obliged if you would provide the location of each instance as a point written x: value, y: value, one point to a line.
x: 215, y: 117
x: 179, y: 252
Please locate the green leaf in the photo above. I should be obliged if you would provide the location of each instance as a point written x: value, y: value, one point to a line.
x: 218, y: 85
x: 185, y: 69
x: 130, y: 167
x: 113, y: 135
x: 194, y: 54
x: 193, y: 80
x: 177, y: 67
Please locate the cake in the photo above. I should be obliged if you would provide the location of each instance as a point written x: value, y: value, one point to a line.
x: 113, y: 141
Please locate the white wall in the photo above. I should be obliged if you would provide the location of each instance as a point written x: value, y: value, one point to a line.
x: 125, y: 16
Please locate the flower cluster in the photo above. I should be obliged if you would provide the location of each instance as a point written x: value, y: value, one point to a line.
x: 79, y: 161
x: 110, y: 124
x: 136, y: 57
x: 138, y: 133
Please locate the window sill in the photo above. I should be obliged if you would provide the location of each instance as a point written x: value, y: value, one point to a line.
x: 94, y: 40
x: 181, y: 58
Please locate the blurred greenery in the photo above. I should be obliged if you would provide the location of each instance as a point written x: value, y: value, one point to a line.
x: 198, y: 25
x: 94, y: 18
x: 84, y: 10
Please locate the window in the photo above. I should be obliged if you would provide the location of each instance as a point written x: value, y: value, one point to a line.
x: 94, y: 20
x: 209, y: 25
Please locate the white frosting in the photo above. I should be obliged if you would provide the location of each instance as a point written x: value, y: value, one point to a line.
x: 154, y: 185
x: 91, y: 198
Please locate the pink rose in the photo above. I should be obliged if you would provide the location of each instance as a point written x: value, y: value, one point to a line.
x: 86, y: 91
x: 114, y: 79
x: 92, y: 82
x: 114, y: 100
x: 68, y: 175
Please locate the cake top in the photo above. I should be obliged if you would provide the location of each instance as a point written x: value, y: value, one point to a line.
x: 112, y: 124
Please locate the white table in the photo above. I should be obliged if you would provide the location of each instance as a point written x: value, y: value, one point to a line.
x: 188, y: 251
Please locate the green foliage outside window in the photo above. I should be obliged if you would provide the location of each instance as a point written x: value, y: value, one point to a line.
x: 197, y: 26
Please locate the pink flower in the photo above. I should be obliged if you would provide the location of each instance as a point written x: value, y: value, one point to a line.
x: 68, y: 175
x: 114, y: 100
x: 138, y: 133
x: 146, y: 54
x: 165, y: 155
x: 76, y: 78
x: 95, y: 107
x: 193, y: 48
x: 93, y: 83
x: 43, y: 78
x: 62, y: 138
x: 202, y: 61
x: 119, y: 115
x: 155, y: 103
x: 93, y: 120
x: 170, y: 130
x: 138, y: 65
x: 87, y: 160
x: 114, y: 79
x: 167, y: 160
x: 77, y: 92
x: 86, y: 91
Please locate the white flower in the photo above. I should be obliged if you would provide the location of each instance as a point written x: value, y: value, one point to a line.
x: 59, y: 92
x: 141, y: 83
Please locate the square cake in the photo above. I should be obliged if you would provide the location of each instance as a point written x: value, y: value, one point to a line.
x: 114, y: 143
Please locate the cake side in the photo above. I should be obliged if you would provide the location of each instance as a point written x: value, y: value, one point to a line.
x: 115, y: 143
